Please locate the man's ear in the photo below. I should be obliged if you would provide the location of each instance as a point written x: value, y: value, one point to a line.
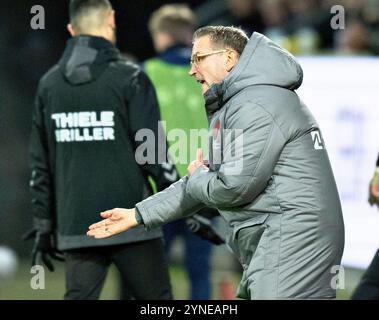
x: 112, y: 19
x: 71, y: 30
x: 231, y: 60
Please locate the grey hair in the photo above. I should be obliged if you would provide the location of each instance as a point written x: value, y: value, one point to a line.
x: 224, y: 37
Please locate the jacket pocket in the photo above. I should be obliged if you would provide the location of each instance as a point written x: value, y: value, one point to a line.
x: 247, y: 238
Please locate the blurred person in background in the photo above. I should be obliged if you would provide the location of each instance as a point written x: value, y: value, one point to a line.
x: 368, y: 287
x: 275, y: 16
x: 182, y: 107
x: 88, y: 109
x: 301, y: 26
x: 371, y: 18
x: 353, y: 40
x: 359, y: 35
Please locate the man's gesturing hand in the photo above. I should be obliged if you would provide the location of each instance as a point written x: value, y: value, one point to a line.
x: 115, y: 221
x: 199, y: 162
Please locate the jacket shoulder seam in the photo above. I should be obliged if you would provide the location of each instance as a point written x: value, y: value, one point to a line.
x: 258, y: 164
x: 54, y: 69
x: 264, y: 109
x: 272, y: 117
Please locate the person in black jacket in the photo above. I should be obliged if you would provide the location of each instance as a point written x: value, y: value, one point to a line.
x: 84, y: 159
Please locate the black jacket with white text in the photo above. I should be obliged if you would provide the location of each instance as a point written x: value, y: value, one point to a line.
x: 89, y: 108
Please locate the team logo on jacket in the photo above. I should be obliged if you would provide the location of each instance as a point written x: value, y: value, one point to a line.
x: 84, y: 126
x: 317, y: 141
x: 216, y: 129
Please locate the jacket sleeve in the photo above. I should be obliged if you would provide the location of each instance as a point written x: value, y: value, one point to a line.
x: 41, y: 184
x: 252, y: 145
x: 147, y: 134
x: 168, y: 205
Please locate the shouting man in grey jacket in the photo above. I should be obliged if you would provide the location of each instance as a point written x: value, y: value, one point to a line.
x: 268, y: 172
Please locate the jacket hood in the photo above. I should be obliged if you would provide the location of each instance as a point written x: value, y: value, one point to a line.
x: 262, y: 62
x: 85, y: 58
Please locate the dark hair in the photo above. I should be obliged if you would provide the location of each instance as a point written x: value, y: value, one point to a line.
x: 177, y: 20
x: 79, y: 8
x: 224, y: 37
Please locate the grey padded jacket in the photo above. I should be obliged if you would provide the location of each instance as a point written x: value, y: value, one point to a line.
x: 270, y: 178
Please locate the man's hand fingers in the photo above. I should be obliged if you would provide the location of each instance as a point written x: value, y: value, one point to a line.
x: 199, y: 155
x: 107, y: 230
x: 107, y: 214
x: 97, y: 225
x: 110, y: 231
x: 100, y: 224
x: 113, y: 214
x: 99, y: 233
x: 118, y: 220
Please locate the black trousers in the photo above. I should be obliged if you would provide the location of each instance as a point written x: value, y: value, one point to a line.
x: 142, y: 265
x: 368, y: 287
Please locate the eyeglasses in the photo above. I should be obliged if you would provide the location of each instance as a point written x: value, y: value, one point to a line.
x: 196, y: 58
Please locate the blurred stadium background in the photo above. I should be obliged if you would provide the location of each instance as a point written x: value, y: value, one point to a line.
x: 340, y: 86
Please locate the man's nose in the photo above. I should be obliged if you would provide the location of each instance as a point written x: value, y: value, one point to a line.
x: 193, y: 70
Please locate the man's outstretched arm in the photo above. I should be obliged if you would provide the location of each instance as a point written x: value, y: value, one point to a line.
x: 168, y: 205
